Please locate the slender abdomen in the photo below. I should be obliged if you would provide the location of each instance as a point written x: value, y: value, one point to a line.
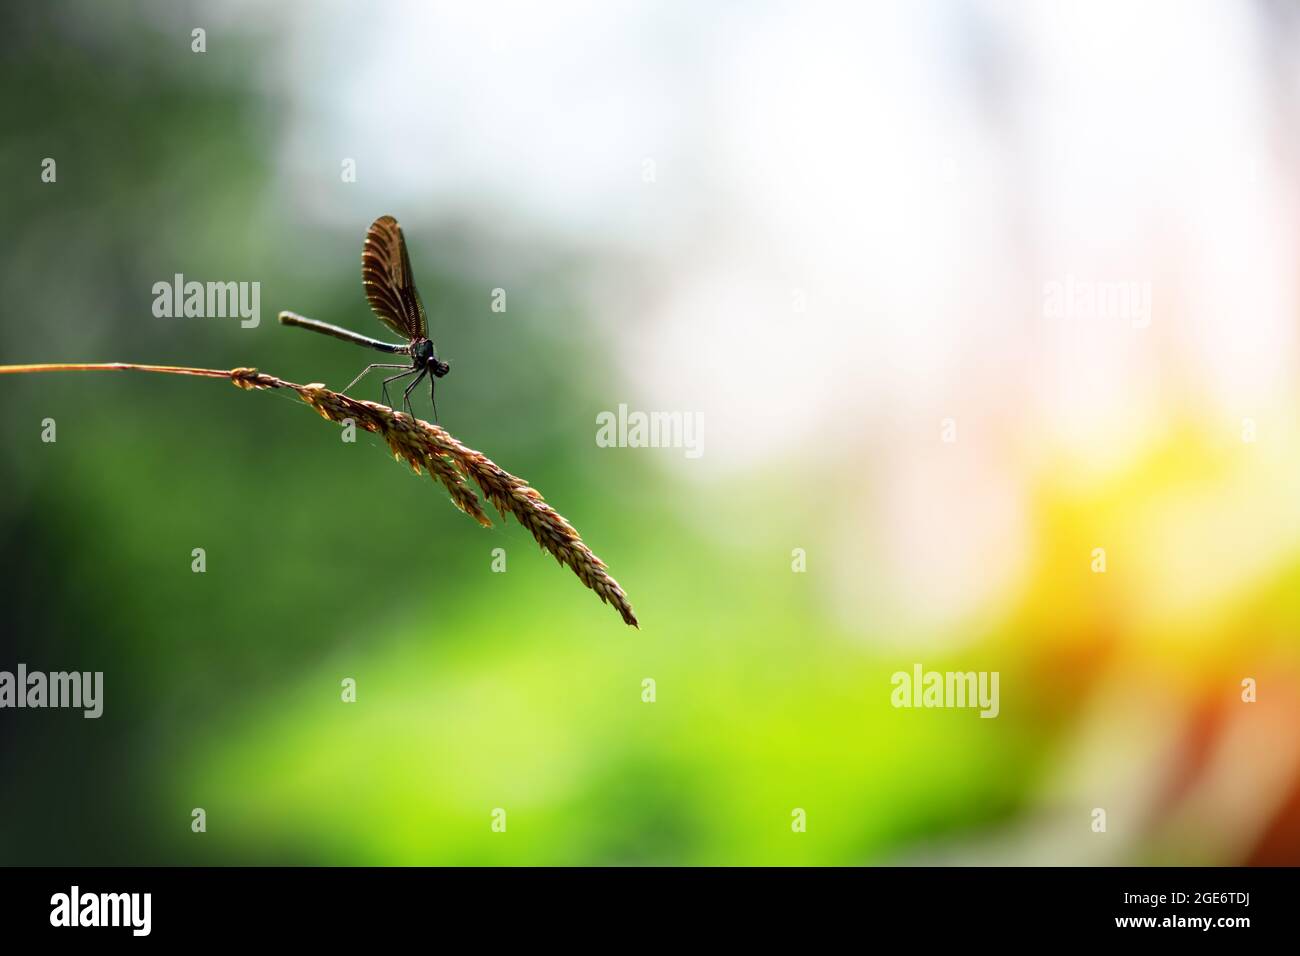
x: 293, y: 318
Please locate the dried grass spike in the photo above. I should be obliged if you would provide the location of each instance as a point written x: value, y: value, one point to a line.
x: 422, y: 446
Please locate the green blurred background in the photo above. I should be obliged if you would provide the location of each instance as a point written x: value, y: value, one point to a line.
x: 822, y: 405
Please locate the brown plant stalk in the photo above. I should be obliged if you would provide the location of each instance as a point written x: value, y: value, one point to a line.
x: 424, y: 447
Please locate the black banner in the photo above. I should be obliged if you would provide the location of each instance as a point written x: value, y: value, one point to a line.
x: 977, y: 905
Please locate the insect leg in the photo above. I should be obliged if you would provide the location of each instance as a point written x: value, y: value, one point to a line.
x: 432, y: 382
x: 406, y: 396
x: 364, y: 371
x: 410, y: 371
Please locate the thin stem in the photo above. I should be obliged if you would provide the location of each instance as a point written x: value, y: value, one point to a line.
x: 114, y: 367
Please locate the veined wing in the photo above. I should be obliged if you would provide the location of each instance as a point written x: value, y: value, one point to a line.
x: 386, y: 277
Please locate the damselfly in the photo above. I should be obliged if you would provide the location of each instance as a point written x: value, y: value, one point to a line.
x: 390, y: 289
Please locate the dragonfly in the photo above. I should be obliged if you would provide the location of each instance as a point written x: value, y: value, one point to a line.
x: 390, y: 290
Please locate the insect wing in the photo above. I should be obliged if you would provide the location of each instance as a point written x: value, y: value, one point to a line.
x: 386, y: 277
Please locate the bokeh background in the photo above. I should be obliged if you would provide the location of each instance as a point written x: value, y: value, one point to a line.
x: 827, y: 229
